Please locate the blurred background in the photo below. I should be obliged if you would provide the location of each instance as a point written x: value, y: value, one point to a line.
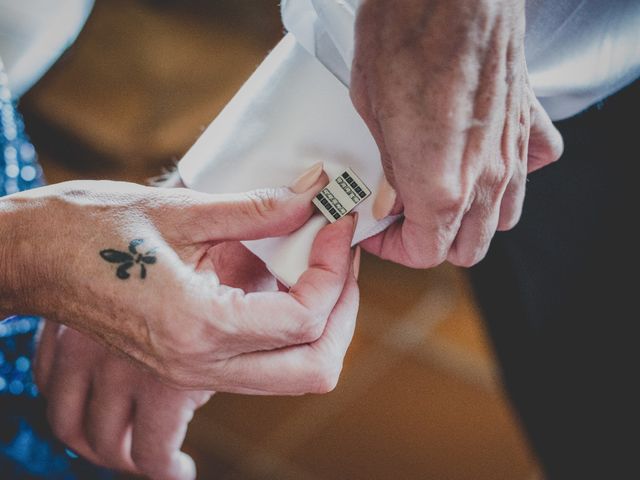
x: 420, y: 396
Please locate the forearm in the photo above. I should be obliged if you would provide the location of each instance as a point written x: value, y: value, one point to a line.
x: 30, y: 248
x: 10, y: 233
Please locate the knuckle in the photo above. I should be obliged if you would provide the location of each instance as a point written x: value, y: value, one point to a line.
x: 510, y: 222
x: 457, y: 260
x: 511, y: 210
x: 468, y: 259
x: 143, y: 459
x: 426, y: 252
x: 326, y: 382
x: 64, y: 431
x: 497, y: 176
x: 262, y: 203
x: 150, y: 461
x: 435, y: 250
x: 429, y: 248
x: 311, y: 327
x: 325, y: 377
x: 449, y: 200
x: 473, y: 254
x: 426, y: 261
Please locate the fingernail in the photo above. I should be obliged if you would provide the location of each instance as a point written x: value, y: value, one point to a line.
x: 305, y: 181
x: 356, y: 262
x: 385, y: 200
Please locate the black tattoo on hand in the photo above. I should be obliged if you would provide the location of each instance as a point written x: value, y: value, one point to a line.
x: 129, y: 259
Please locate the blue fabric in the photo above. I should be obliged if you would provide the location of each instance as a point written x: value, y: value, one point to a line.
x: 28, y: 450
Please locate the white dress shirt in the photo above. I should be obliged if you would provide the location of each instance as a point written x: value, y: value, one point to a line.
x: 578, y: 51
x: 581, y: 51
x: 295, y: 109
x: 34, y: 33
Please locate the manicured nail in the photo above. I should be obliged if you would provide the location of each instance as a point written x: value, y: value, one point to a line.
x: 385, y: 200
x: 356, y: 262
x: 305, y: 181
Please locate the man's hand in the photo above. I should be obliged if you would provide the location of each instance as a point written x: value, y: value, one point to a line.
x: 443, y: 87
x: 110, y: 412
x: 131, y: 267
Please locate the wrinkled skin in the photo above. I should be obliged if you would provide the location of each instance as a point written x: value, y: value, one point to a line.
x: 443, y: 87
x: 182, y: 323
x: 130, y: 421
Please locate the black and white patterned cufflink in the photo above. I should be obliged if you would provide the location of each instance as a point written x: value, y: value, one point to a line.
x: 341, y: 196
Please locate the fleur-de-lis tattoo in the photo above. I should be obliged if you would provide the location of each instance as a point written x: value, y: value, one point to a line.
x: 129, y: 259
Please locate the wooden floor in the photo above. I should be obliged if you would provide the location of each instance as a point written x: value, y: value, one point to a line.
x: 419, y: 397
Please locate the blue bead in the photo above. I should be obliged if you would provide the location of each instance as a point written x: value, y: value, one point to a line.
x: 16, y: 387
x: 22, y: 364
x: 27, y: 152
x: 28, y: 173
x: 12, y: 170
x: 10, y: 154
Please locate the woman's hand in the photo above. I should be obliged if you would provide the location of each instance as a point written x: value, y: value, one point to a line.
x: 109, y: 411
x: 127, y: 419
x: 128, y: 265
x: 443, y: 87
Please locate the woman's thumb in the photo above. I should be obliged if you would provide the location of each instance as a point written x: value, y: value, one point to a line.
x: 269, y: 212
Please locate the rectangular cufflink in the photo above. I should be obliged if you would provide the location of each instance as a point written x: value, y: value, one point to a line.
x: 341, y: 195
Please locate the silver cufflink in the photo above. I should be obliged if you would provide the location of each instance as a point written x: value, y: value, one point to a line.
x: 341, y: 195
